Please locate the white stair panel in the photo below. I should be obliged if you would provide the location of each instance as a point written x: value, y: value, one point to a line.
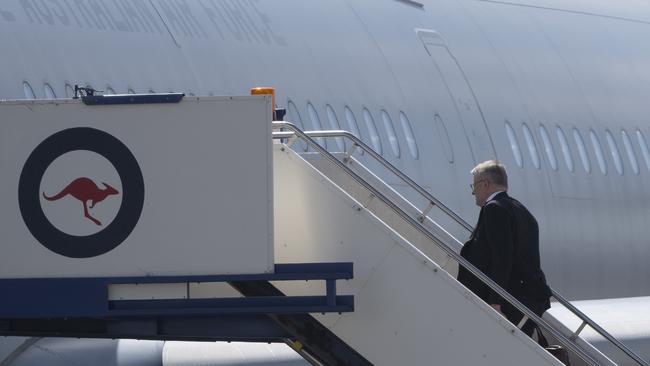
x: 408, y: 310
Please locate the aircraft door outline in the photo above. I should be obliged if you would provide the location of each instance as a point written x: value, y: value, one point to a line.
x: 467, y: 107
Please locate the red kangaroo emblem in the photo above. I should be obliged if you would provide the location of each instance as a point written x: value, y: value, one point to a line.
x: 84, y: 189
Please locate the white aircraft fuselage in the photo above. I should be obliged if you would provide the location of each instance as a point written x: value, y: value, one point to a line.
x: 555, y: 90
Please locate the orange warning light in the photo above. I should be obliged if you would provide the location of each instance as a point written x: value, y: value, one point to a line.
x: 264, y: 90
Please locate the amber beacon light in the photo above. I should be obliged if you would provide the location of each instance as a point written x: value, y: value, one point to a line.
x: 264, y: 90
x: 278, y: 113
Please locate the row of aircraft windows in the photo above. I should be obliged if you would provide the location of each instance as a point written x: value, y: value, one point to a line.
x: 376, y: 143
x: 581, y: 147
x: 352, y: 125
x: 49, y: 93
x: 332, y: 120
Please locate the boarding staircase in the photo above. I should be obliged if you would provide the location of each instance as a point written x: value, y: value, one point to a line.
x: 429, y: 231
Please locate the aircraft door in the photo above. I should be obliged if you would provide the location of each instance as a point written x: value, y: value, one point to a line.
x: 466, y: 106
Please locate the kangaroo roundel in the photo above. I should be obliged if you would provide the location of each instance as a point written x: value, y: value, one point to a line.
x: 85, y: 190
x: 81, y: 192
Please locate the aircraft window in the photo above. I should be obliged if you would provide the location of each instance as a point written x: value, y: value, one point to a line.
x: 109, y: 90
x: 532, y: 148
x: 630, y: 151
x: 334, y: 124
x: 408, y: 132
x: 372, y: 129
x: 69, y: 90
x: 315, y: 123
x: 390, y: 131
x: 514, y: 145
x: 49, y: 92
x: 550, y: 154
x: 582, y: 150
x: 352, y: 122
x: 644, y: 148
x: 294, y: 117
x: 598, y: 151
x: 29, y: 92
x: 445, y: 141
x: 616, y: 156
x: 564, y: 144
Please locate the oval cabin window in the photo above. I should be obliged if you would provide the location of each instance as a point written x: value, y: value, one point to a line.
x: 372, y: 130
x: 69, y: 91
x: 514, y: 145
x: 630, y: 152
x: 29, y: 92
x: 315, y: 123
x: 548, y: 147
x: 598, y: 150
x: 49, y: 92
x: 390, y: 131
x: 410, y: 137
x: 582, y: 150
x: 564, y: 144
x: 353, y: 126
x: 613, y: 149
x: 532, y: 148
x: 293, y: 116
x: 334, y: 124
x: 644, y: 148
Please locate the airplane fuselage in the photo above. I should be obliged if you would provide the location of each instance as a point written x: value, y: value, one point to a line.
x: 557, y: 93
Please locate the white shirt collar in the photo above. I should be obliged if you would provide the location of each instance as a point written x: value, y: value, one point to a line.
x: 492, y: 196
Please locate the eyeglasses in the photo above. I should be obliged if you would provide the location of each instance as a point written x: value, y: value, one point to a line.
x: 473, y: 185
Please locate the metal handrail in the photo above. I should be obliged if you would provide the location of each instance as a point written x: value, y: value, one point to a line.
x: 462, y: 261
x: 585, y: 319
x: 307, y: 136
x: 387, y: 165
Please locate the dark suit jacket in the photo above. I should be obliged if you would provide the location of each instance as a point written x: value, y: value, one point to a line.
x: 505, y: 246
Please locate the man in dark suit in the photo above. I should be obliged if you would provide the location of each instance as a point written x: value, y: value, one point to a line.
x: 505, y: 246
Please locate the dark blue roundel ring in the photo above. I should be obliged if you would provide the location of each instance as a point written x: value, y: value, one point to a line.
x: 104, y: 144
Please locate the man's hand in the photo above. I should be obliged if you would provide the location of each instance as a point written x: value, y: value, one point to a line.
x: 496, y: 307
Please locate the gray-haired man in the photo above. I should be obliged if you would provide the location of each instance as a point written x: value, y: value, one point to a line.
x: 505, y: 246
